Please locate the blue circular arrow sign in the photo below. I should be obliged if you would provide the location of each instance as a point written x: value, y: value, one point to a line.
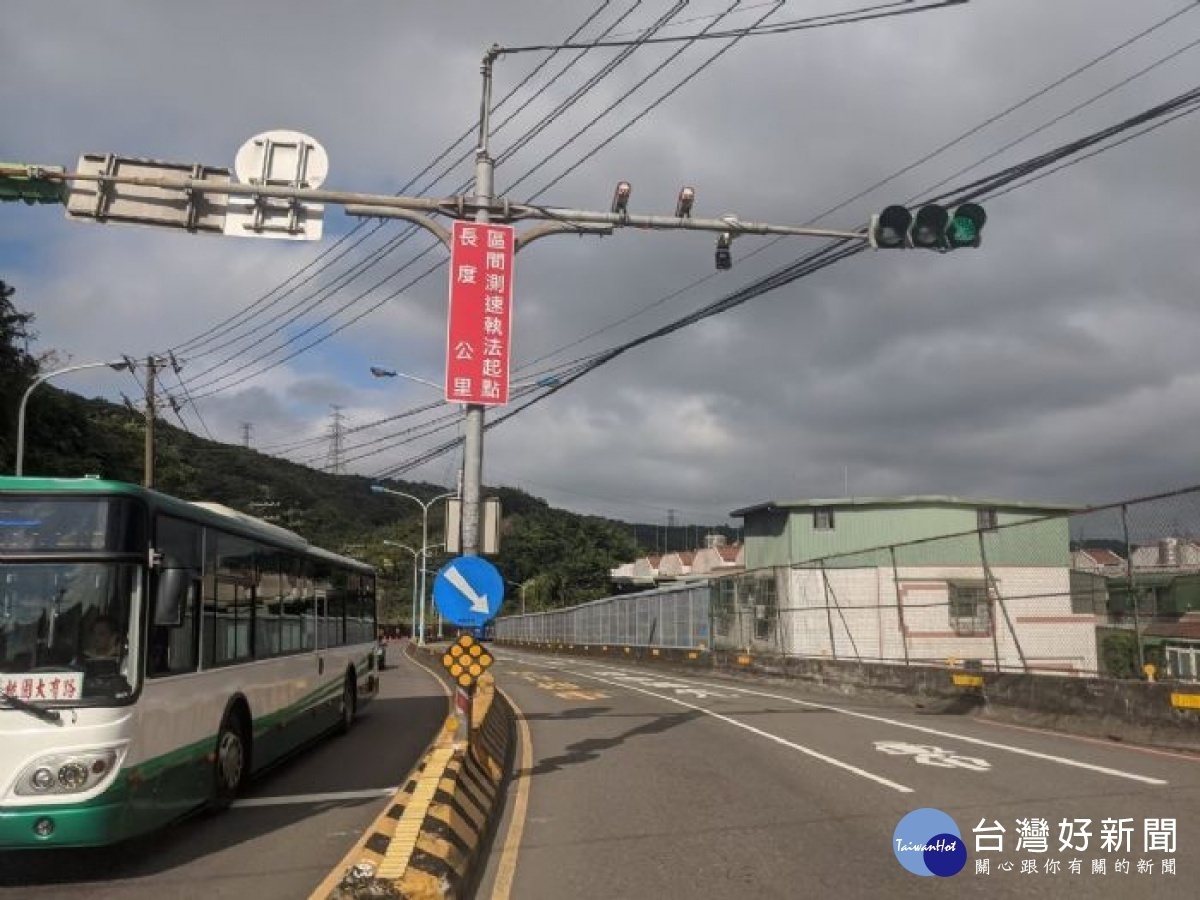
x: 468, y: 591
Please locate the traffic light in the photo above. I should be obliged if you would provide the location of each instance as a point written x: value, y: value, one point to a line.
x: 933, y: 227
x: 889, y: 229
x: 724, y: 257
x: 29, y: 183
x: 966, y: 226
x: 929, y: 228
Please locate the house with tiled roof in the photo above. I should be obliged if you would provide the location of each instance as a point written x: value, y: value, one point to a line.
x: 1097, y: 561
x: 715, y: 558
x: 719, y: 558
x: 677, y: 564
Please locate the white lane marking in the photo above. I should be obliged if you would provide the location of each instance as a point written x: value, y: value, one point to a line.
x: 1008, y: 748
x: 368, y: 794
x: 807, y: 751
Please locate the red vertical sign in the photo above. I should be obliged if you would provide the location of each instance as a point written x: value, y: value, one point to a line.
x: 478, y: 332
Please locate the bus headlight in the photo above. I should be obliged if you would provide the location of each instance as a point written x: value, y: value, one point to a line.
x: 73, y: 775
x: 66, y: 773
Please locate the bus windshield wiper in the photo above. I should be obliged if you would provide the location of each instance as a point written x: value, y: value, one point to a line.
x: 46, y: 715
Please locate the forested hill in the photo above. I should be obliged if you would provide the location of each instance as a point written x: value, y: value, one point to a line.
x: 559, y: 557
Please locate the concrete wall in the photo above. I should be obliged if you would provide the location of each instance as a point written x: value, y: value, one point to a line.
x: 885, y: 614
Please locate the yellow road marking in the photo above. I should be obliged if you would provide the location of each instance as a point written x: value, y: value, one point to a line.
x: 408, y: 829
x: 381, y: 823
x: 506, y: 868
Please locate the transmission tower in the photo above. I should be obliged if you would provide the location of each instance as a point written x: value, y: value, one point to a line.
x: 336, y: 433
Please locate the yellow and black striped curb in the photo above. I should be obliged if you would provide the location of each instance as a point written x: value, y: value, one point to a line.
x: 429, y: 841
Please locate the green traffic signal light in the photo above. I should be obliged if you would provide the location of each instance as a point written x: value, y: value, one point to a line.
x: 966, y: 226
x: 28, y: 183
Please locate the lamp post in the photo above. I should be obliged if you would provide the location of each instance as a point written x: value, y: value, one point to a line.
x: 425, y: 505
x: 425, y: 569
x: 547, y: 380
x: 416, y: 556
x: 381, y: 372
x: 117, y: 365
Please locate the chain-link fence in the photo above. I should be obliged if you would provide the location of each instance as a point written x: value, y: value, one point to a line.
x: 1111, y: 591
x: 675, y: 616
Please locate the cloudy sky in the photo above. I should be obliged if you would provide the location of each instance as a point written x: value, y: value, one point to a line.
x: 1056, y: 363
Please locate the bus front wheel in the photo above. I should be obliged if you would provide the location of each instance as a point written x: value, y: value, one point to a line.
x: 232, y: 760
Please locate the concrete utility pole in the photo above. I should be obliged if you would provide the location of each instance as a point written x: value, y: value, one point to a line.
x: 152, y: 364
x: 472, y: 482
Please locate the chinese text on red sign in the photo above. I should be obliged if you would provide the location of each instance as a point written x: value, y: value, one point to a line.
x: 478, y: 333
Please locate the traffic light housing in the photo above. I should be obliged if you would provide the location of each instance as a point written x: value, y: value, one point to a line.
x: 932, y: 227
x: 724, y: 256
x: 29, y: 183
x: 929, y: 228
x: 889, y: 229
x: 966, y: 226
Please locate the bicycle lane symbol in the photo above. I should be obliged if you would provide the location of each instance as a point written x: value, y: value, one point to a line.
x: 928, y: 755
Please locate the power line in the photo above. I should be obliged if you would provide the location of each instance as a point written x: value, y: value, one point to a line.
x: 835, y: 251
x: 213, y: 383
x: 686, y: 289
x: 991, y: 119
x: 380, y: 253
x: 637, y: 86
x: 864, y: 14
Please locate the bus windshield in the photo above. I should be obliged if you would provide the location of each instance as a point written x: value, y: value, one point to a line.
x: 64, y: 630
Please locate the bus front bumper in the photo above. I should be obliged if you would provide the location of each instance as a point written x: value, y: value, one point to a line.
x: 96, y: 824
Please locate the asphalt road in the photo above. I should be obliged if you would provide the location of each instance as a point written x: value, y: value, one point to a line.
x: 278, y: 843
x: 636, y: 783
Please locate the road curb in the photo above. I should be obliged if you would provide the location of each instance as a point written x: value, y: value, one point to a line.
x: 429, y: 842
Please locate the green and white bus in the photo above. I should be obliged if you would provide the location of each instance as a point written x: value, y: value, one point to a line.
x: 155, y: 653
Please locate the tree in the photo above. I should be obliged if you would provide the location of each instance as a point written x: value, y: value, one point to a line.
x: 17, y: 369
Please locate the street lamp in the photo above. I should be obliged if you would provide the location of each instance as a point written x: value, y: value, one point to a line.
x: 548, y: 380
x: 380, y: 489
x: 416, y: 556
x: 116, y: 364
x: 381, y: 372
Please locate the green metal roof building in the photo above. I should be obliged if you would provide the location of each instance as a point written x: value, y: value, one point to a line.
x: 786, y: 532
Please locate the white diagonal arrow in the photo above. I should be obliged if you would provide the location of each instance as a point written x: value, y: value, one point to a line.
x: 479, y: 602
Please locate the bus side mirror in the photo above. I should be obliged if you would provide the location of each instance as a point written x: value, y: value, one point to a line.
x: 171, y: 596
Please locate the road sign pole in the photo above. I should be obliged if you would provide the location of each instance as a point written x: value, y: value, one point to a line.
x: 472, y: 486
x: 465, y: 661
